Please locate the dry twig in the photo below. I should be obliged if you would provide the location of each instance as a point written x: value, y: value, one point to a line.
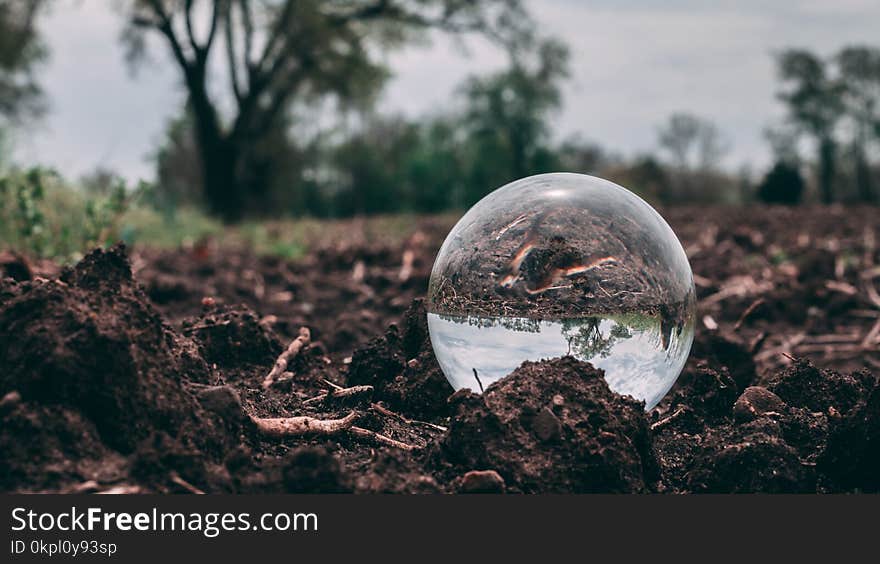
x: 176, y: 478
x: 786, y: 345
x: 292, y: 350
x: 378, y: 438
x: 341, y: 393
x: 122, y: 489
x: 748, y: 311
x: 758, y: 342
x: 406, y: 268
x: 667, y: 420
x: 740, y: 286
x: 385, y: 411
x: 873, y: 336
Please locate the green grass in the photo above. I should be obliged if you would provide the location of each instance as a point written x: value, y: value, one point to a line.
x: 43, y: 216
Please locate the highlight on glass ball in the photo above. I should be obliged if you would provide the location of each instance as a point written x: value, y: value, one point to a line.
x: 563, y: 264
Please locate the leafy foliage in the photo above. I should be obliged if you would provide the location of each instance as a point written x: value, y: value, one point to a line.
x: 782, y: 185
x: 21, y: 51
x: 835, y: 102
x: 41, y: 215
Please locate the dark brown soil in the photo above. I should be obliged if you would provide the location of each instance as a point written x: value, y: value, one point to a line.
x: 553, y: 427
x: 140, y: 371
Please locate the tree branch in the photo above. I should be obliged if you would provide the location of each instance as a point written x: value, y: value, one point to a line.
x: 248, y: 23
x: 189, y: 28
x: 212, y: 32
x: 231, y: 56
x: 277, y: 33
x: 166, y: 28
x: 194, y: 75
x: 384, y: 9
x: 282, y: 95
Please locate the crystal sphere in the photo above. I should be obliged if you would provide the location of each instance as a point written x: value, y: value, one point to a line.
x: 563, y: 264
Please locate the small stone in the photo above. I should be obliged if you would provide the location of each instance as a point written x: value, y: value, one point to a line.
x: 558, y: 400
x: 756, y: 401
x: 9, y: 401
x: 482, y: 481
x: 546, y: 425
x: 222, y: 400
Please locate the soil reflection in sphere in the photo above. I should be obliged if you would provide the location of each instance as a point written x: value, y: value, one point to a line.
x: 563, y: 264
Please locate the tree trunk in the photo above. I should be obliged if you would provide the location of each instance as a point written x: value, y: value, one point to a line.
x: 827, y: 162
x: 863, y: 175
x: 220, y: 173
x: 220, y: 155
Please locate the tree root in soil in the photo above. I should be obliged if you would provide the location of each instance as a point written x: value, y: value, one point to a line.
x: 281, y: 427
x: 303, y: 425
x: 284, y: 359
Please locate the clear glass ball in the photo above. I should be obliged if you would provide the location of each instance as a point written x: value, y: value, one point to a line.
x: 563, y: 264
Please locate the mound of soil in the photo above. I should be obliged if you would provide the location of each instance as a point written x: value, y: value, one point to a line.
x: 90, y: 340
x: 851, y: 460
x: 402, y: 367
x: 553, y: 426
x: 804, y: 385
x: 50, y: 447
x: 232, y: 337
x: 748, y: 458
x: 785, y: 438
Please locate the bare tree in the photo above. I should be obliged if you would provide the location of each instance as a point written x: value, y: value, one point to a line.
x: 693, y: 143
x: 695, y: 147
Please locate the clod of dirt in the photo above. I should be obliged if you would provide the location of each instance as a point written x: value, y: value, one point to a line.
x: 378, y: 362
x: 8, y: 290
x: 402, y: 368
x: 708, y: 394
x: 92, y: 342
x: 746, y: 459
x: 393, y: 471
x: 756, y: 401
x: 15, y: 266
x: 46, y: 447
x: 232, y: 337
x: 852, y: 458
x: 802, y: 429
x: 552, y: 426
x: 804, y: 385
x: 314, y: 470
x: 222, y: 400
x: 481, y: 482
x: 421, y: 390
x: 167, y: 465
x: 806, y: 431
x: 415, y: 338
x: 725, y: 351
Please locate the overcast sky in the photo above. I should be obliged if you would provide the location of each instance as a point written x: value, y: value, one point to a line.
x: 633, y: 64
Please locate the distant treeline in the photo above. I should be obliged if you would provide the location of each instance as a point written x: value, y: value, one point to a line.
x: 255, y: 141
x: 498, y: 128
